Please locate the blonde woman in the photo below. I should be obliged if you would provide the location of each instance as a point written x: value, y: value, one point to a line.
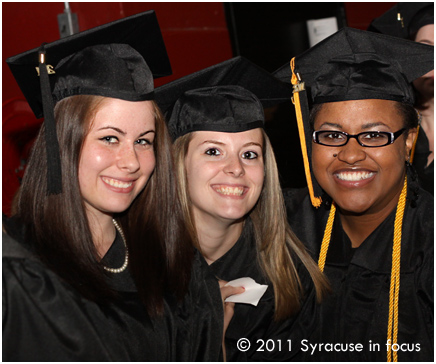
x: 233, y: 205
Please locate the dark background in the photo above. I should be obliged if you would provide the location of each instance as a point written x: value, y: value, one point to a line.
x: 197, y: 35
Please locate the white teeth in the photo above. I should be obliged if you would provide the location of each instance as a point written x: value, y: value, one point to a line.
x: 234, y: 191
x: 116, y: 183
x: 355, y: 176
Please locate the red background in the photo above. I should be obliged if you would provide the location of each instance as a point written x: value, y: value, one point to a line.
x: 196, y: 36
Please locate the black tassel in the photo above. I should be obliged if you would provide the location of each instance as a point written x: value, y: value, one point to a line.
x: 54, y: 170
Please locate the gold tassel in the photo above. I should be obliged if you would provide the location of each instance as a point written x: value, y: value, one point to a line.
x: 316, y: 201
x: 326, y: 239
x: 395, y: 275
x: 394, y: 292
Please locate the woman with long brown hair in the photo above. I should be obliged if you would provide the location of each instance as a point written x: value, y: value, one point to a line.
x: 102, y: 267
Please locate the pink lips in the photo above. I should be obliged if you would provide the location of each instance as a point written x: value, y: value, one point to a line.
x: 354, y: 178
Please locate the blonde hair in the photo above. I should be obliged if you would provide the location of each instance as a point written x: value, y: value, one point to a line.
x: 275, y: 241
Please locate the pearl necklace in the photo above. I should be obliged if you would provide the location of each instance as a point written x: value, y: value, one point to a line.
x: 126, y: 259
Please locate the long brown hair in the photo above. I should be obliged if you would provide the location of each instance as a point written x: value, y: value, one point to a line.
x: 276, y: 243
x: 160, y: 254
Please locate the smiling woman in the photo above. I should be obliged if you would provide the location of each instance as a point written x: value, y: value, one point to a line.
x: 363, y: 215
x: 362, y: 179
x: 225, y: 173
x: 101, y: 267
x: 233, y: 203
x: 116, y: 161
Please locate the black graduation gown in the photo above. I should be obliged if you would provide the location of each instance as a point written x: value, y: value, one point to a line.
x: 357, y: 311
x: 45, y: 319
x: 256, y: 323
x: 425, y: 173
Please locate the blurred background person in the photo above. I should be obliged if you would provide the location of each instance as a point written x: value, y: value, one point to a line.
x: 415, y: 21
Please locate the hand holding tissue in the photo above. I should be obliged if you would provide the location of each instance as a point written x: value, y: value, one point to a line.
x: 253, y: 291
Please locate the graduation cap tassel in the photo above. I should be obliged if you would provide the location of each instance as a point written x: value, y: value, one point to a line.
x: 299, y: 88
x: 394, y: 292
x: 54, y: 171
x: 327, y: 236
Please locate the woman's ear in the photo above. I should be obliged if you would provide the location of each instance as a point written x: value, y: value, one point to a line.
x: 412, y: 134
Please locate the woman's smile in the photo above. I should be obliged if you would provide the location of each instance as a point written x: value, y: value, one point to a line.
x: 230, y: 190
x: 354, y: 178
x: 118, y: 185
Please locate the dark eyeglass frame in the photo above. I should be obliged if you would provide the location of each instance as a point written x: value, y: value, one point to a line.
x: 391, y: 137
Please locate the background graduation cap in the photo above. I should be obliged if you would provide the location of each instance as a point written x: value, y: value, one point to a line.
x: 404, y: 19
x: 118, y: 59
x: 352, y: 64
x: 228, y: 97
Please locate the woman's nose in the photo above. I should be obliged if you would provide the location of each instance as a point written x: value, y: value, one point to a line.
x: 234, y: 166
x: 128, y: 159
x: 352, y: 152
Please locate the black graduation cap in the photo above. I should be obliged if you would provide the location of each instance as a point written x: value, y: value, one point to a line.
x: 141, y: 32
x: 229, y: 109
x: 118, y: 60
x: 228, y: 97
x: 404, y: 19
x: 353, y: 64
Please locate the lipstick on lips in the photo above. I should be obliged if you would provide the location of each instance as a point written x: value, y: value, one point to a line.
x: 354, y: 178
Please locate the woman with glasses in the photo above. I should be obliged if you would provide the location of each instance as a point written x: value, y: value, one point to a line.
x: 364, y: 218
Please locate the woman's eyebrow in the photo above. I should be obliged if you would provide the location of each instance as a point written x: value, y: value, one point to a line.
x: 123, y: 132
x: 113, y: 128
x: 253, y: 143
x: 333, y: 125
x: 364, y: 126
x: 222, y: 143
x: 147, y: 132
x: 374, y: 124
x: 212, y: 142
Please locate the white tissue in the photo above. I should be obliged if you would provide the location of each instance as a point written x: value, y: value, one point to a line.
x: 253, y: 291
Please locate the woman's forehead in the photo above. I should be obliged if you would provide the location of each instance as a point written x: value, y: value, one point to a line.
x: 359, y: 113
x: 253, y: 135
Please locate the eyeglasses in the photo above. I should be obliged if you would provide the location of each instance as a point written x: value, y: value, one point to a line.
x: 370, y: 139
